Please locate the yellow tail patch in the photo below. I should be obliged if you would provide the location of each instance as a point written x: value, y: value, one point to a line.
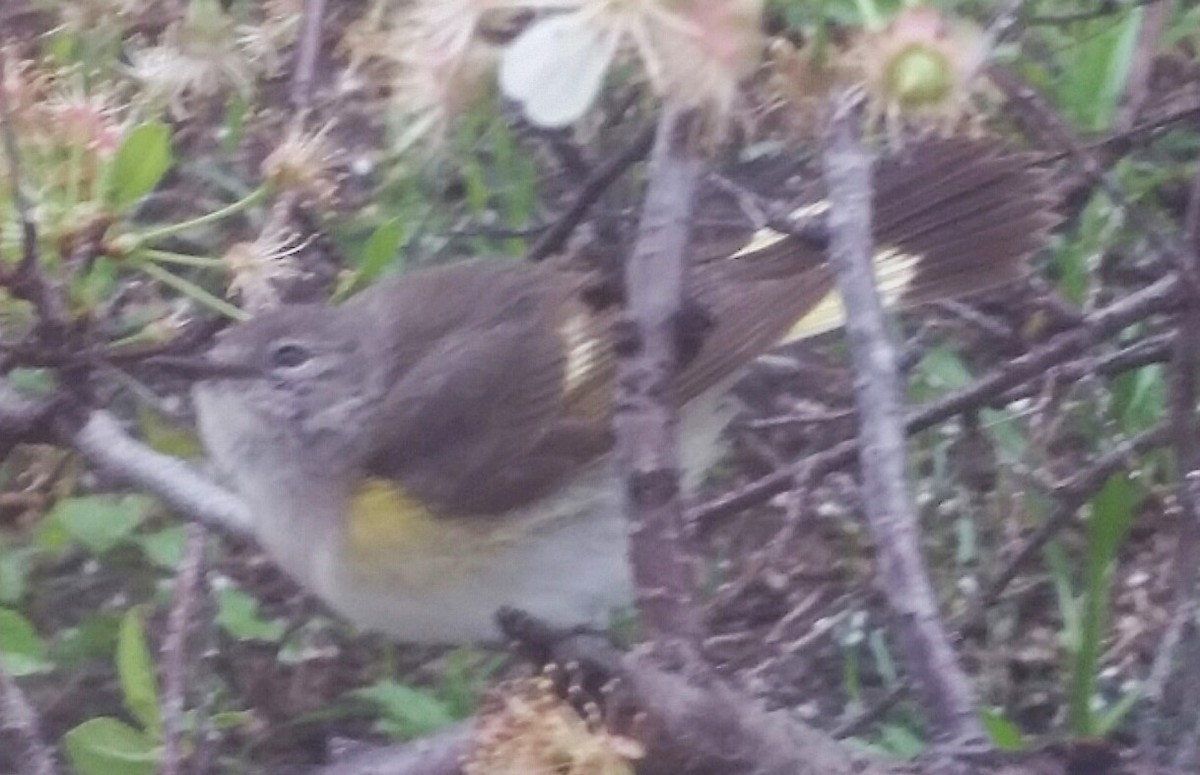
x: 894, y: 275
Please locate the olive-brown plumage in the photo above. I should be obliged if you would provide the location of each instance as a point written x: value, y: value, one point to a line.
x: 476, y: 398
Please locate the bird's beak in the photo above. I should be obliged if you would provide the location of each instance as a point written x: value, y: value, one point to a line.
x: 203, y: 368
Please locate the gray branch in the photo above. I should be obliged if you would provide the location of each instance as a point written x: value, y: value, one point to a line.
x: 941, y: 682
x: 18, y: 719
x: 105, y: 443
x: 646, y: 406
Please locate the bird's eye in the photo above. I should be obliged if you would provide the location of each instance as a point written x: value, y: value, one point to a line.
x: 289, y: 356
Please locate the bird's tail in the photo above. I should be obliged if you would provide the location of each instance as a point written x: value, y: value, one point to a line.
x: 951, y: 217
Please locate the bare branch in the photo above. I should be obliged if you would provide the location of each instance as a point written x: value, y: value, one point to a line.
x: 306, y: 55
x: 1072, y: 495
x: 28, y: 230
x: 1184, y: 396
x: 108, y: 447
x: 17, y: 718
x: 174, y: 650
x: 26, y: 281
x: 944, y: 687
x: 22, y: 420
x: 646, y: 406
x: 439, y: 754
x: 557, y: 235
x: 1157, y: 298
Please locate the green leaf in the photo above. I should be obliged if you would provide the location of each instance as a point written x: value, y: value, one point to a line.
x: 1071, y: 264
x: 165, y: 547
x: 884, y: 663
x: 232, y: 719
x: 407, y: 712
x: 464, y: 677
x: 238, y: 615
x: 95, y: 638
x: 100, y: 522
x: 379, y: 251
x: 107, y: 746
x: 139, y: 164
x: 95, y: 286
x: 166, y: 437
x: 14, y: 572
x: 1093, y: 78
x: 1115, y: 714
x: 1064, y: 593
x: 135, y: 668
x: 1002, y: 732
x: 1140, y: 398
x: 851, y: 674
x: 941, y: 370
x: 236, y: 110
x: 36, y: 382
x: 1112, y: 511
x: 477, y: 189
x: 21, y: 650
x: 901, y: 741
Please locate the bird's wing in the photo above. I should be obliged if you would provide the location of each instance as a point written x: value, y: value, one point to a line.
x: 506, y: 376
x: 475, y: 416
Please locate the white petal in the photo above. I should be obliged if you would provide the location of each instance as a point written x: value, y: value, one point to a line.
x: 556, y: 67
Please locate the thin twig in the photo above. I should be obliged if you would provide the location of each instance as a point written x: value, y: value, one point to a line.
x: 1156, y: 298
x: 1103, y: 8
x: 307, y: 50
x: 28, y: 230
x: 1071, y: 496
x: 557, y: 235
x: 18, y: 718
x: 441, y: 753
x: 26, y: 280
x: 22, y: 419
x: 175, y: 651
x: 1184, y: 397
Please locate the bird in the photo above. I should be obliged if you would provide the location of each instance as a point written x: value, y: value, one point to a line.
x: 439, y: 446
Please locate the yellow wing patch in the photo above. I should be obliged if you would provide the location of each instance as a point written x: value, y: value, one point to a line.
x: 766, y: 238
x: 894, y: 275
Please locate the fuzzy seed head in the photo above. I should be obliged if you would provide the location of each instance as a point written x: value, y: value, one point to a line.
x: 921, y: 66
x: 254, y: 267
x: 303, y: 163
x: 527, y: 729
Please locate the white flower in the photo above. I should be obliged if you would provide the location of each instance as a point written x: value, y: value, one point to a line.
x: 694, y: 50
x: 197, y: 57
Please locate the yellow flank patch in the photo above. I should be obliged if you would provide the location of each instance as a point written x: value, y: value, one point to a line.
x: 381, y: 514
x: 894, y: 274
x: 391, y: 535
